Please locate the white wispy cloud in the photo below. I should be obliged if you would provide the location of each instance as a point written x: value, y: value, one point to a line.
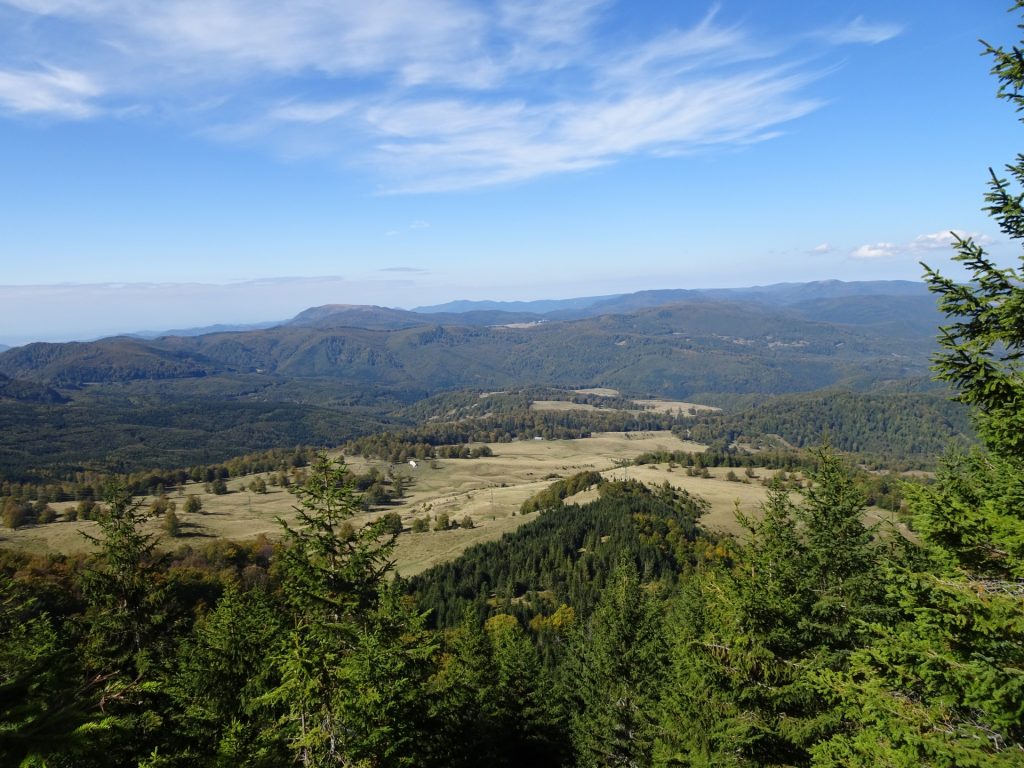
x: 934, y: 241
x: 707, y: 45
x: 51, y: 91
x: 311, y: 112
x: 823, y: 248
x: 861, y: 31
x: 428, y: 95
x: 550, y: 22
x: 515, y: 141
x: 248, y: 37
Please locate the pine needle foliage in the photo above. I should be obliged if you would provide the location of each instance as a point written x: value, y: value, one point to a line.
x: 614, y: 669
x: 44, y: 702
x: 354, y: 662
x: 943, y: 685
x: 749, y: 641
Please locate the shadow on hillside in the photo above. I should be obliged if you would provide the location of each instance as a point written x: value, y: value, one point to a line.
x: 194, y: 531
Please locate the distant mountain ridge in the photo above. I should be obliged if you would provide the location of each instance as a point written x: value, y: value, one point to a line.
x: 339, y: 370
x: 204, y: 329
x: 538, y: 306
x: 778, y: 294
x: 386, y: 319
x: 485, y: 312
x: 671, y: 350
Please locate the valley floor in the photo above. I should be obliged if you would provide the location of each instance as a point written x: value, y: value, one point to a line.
x: 489, y: 489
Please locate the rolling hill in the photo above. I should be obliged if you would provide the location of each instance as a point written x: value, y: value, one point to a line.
x: 339, y: 370
x: 673, y: 350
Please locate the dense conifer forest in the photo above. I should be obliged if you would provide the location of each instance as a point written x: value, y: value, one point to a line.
x: 887, y: 428
x: 610, y: 633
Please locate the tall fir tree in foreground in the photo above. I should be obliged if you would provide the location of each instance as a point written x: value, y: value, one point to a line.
x: 223, y: 669
x: 46, y: 703
x: 613, y: 671
x: 748, y: 641
x: 128, y: 633
x: 945, y: 686
x: 353, y: 665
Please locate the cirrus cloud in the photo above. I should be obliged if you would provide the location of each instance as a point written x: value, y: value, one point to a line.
x: 426, y: 95
x: 51, y: 91
x: 861, y: 31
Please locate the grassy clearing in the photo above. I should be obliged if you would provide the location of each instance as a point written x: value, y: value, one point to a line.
x: 658, y: 406
x: 489, y: 489
x: 563, y: 405
x: 723, y: 496
x: 675, y: 406
x: 239, y: 514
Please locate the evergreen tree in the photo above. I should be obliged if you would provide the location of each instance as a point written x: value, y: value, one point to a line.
x: 493, y: 700
x: 221, y: 673
x: 45, y: 702
x: 750, y: 641
x: 614, y: 670
x: 524, y: 727
x: 945, y: 686
x: 354, y: 663
x: 464, y: 715
x: 128, y: 634
x: 123, y: 590
x: 171, y: 524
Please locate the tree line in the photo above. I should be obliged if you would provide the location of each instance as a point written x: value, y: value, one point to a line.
x: 424, y: 441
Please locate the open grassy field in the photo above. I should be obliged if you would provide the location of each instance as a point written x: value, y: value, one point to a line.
x: 491, y: 489
x: 563, y: 405
x: 674, y: 406
x: 488, y: 489
x: 658, y: 406
x: 724, y: 496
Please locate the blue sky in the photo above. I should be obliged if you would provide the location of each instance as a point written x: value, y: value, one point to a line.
x: 186, y: 162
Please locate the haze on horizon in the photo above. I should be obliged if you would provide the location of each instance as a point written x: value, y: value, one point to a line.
x: 111, y: 309
x: 192, y: 165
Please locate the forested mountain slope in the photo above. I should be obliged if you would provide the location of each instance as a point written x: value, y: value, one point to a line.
x: 320, y: 379
x: 892, y: 426
x: 650, y: 351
